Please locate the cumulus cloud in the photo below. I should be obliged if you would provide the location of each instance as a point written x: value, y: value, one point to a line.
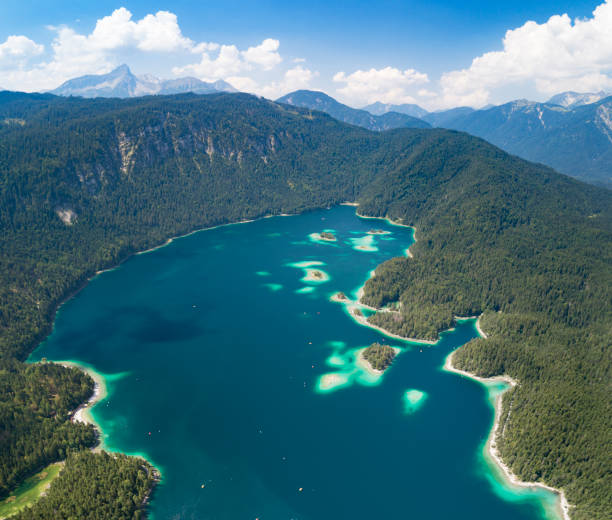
x: 266, y: 54
x: 155, y: 32
x: 557, y: 55
x: 295, y: 78
x: 388, y: 85
x: 223, y: 61
x: 17, y: 48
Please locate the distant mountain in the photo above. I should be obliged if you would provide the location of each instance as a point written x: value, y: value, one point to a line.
x: 378, y: 109
x: 575, y: 99
x: 575, y: 141
x: 324, y: 103
x: 444, y: 118
x: 122, y: 83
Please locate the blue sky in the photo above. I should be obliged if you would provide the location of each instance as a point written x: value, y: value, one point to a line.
x: 438, y: 53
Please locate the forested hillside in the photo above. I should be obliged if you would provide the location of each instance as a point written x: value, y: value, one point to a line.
x: 533, y: 252
x: 324, y: 103
x: 86, y: 183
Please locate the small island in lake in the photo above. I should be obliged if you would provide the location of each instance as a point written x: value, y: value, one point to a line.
x: 379, y: 356
x: 341, y: 296
x: 325, y: 235
x: 315, y: 275
x: 378, y: 232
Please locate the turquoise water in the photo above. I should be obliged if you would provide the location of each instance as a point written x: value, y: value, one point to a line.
x: 215, y: 348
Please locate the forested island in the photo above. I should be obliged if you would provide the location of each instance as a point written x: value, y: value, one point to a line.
x: 86, y: 183
x: 379, y: 356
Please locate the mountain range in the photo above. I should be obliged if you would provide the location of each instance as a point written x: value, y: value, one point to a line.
x: 572, y: 131
x: 575, y: 140
x: 324, y: 103
x: 122, y: 83
x: 569, y: 132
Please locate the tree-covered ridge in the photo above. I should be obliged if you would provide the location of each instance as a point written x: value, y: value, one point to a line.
x: 379, y: 356
x: 85, y: 183
x: 35, y: 427
x: 96, y: 485
x: 320, y: 101
x: 533, y: 252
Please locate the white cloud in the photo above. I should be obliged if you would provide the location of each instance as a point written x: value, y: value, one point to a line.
x: 266, y: 54
x: 424, y: 93
x: 159, y: 32
x: 230, y: 62
x: 295, y: 78
x: 244, y: 84
x: 227, y: 62
x: 17, y: 48
x: 388, y: 85
x: 557, y: 55
x: 73, y: 54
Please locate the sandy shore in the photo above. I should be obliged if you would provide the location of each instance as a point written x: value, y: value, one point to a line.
x: 83, y: 412
x: 407, y: 252
x: 364, y: 364
x: 491, y: 446
x: 480, y: 331
x: 354, y: 305
x: 392, y: 222
x: 363, y: 321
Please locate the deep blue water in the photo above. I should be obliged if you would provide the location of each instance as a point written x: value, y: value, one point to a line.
x: 216, y: 361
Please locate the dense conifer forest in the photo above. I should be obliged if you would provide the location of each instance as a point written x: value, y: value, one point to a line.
x: 96, y: 485
x: 86, y: 183
x: 379, y: 356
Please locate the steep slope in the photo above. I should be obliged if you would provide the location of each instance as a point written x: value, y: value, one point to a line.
x: 576, y: 141
x: 324, y: 103
x: 85, y: 183
x: 121, y: 83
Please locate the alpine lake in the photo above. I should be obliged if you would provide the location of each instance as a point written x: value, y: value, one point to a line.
x: 229, y: 367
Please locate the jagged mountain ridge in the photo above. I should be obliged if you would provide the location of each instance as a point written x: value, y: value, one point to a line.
x: 122, y: 83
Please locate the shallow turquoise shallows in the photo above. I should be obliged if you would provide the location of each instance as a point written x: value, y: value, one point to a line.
x: 230, y: 369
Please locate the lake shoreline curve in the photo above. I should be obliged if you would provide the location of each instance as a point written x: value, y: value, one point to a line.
x: 491, y: 446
